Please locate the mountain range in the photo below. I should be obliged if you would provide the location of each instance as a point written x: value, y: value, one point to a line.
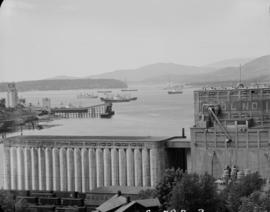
x: 252, y: 69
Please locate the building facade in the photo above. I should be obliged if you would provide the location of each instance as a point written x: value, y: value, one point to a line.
x: 12, y: 95
x: 232, y: 128
x: 82, y: 163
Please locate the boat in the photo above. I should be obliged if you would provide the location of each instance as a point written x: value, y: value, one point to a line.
x: 175, y: 91
x: 104, y: 91
x: 86, y: 96
x: 129, y: 90
x: 117, y: 98
x: 108, y: 112
x: 114, y: 100
x: 133, y: 98
x: 107, y: 115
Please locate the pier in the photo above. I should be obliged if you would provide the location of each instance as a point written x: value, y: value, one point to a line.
x: 82, y: 112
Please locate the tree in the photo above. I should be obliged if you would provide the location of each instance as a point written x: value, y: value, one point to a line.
x: 6, y: 201
x: 195, y: 192
x: 258, y: 201
x: 241, y: 188
x: 166, y: 185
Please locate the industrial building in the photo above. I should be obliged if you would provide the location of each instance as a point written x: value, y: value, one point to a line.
x: 231, y: 128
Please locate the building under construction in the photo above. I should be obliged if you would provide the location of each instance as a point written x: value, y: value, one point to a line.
x: 232, y: 128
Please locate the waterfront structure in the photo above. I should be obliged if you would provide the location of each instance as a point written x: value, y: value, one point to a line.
x: 46, y: 103
x: 93, y: 111
x: 83, y: 163
x: 232, y: 128
x: 12, y: 95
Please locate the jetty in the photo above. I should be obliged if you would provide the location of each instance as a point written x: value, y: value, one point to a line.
x: 94, y: 111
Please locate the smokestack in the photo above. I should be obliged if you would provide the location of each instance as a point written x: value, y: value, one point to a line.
x: 119, y: 193
x: 183, y: 133
x: 128, y: 199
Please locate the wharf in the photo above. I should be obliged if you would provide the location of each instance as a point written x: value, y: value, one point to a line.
x: 82, y: 112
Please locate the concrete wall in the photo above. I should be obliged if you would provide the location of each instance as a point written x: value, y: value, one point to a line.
x: 248, y: 150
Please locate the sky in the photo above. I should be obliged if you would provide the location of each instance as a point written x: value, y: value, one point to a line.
x: 42, y: 39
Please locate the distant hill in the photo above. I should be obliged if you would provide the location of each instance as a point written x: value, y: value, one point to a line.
x: 236, y: 62
x: 257, y: 69
x: 61, y: 77
x: 252, y: 69
x: 66, y: 84
x: 155, y: 72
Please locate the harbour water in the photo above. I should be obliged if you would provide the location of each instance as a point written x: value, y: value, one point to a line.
x: 154, y: 113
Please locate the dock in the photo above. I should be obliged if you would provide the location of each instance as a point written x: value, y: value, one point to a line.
x: 82, y: 112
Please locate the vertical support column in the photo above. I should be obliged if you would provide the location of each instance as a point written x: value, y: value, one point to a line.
x: 63, y: 169
x: 115, y: 167
x: 130, y: 167
x: 107, y: 167
x: 48, y: 169
x: 20, y: 163
x: 92, y: 169
x: 7, y: 168
x: 56, y: 170
x: 85, y: 170
x: 78, y: 169
x: 13, y: 158
x: 27, y: 169
x: 34, y: 168
x: 146, y: 167
x: 100, y: 168
x: 122, y: 168
x: 138, y: 167
x: 153, y: 166
x: 41, y: 169
x: 70, y: 170
x: 188, y: 156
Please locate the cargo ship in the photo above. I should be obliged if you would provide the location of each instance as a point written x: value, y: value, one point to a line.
x: 87, y: 96
x: 117, y: 99
x: 175, y: 91
x: 124, y: 90
x: 232, y: 128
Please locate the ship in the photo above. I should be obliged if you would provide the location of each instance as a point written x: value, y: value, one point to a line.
x: 175, y: 91
x: 104, y: 91
x: 108, y: 112
x: 86, y: 96
x: 124, y: 90
x: 118, y: 99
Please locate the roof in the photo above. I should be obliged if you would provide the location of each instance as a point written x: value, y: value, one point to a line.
x: 146, y: 203
x: 124, y: 207
x: 115, y: 189
x: 149, y: 202
x: 112, y: 203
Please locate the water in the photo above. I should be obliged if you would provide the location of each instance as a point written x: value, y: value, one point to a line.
x: 154, y: 113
